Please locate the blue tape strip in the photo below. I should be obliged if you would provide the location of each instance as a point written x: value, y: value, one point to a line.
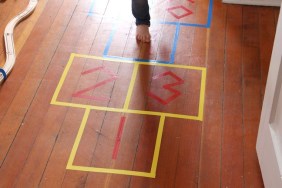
x: 179, y: 23
x: 108, y: 45
x: 3, y: 73
x: 136, y: 59
x: 175, y: 40
x: 90, y: 12
x: 174, y: 46
x: 210, y: 14
x: 207, y: 25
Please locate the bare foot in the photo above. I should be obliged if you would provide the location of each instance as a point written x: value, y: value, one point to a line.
x: 142, y: 33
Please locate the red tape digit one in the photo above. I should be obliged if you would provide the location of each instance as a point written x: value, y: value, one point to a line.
x: 118, y: 138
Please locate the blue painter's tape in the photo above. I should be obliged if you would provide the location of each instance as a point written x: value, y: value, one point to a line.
x: 90, y: 12
x: 210, y: 14
x: 3, y: 73
x: 136, y: 59
x: 108, y: 45
x: 179, y: 23
x: 194, y: 25
x: 206, y: 25
x: 175, y: 40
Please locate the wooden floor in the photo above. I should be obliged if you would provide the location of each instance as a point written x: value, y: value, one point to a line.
x: 88, y: 106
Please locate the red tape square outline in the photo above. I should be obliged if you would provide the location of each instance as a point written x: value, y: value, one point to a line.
x: 179, y: 16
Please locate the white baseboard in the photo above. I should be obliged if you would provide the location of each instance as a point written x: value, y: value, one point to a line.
x: 255, y: 2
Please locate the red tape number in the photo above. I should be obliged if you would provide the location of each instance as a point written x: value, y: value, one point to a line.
x: 118, y: 137
x: 81, y: 93
x: 168, y: 87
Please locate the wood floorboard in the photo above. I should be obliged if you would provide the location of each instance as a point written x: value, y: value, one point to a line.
x: 267, y: 28
x: 26, y: 57
x: 252, y: 100
x: 48, y: 134
x: 32, y: 78
x: 10, y: 93
x: 232, y: 138
x: 106, y: 113
x: 23, y: 30
x: 55, y: 170
x: 31, y: 121
x: 211, y: 137
x: 61, y: 178
x: 8, y: 11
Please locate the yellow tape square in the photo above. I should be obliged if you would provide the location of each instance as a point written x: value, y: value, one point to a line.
x: 126, y: 105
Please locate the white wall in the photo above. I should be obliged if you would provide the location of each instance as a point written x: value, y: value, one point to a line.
x: 255, y: 2
x: 269, y: 136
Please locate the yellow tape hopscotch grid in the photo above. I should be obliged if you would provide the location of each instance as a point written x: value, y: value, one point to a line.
x: 125, y: 109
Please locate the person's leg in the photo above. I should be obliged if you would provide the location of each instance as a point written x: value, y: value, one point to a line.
x: 140, y: 10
